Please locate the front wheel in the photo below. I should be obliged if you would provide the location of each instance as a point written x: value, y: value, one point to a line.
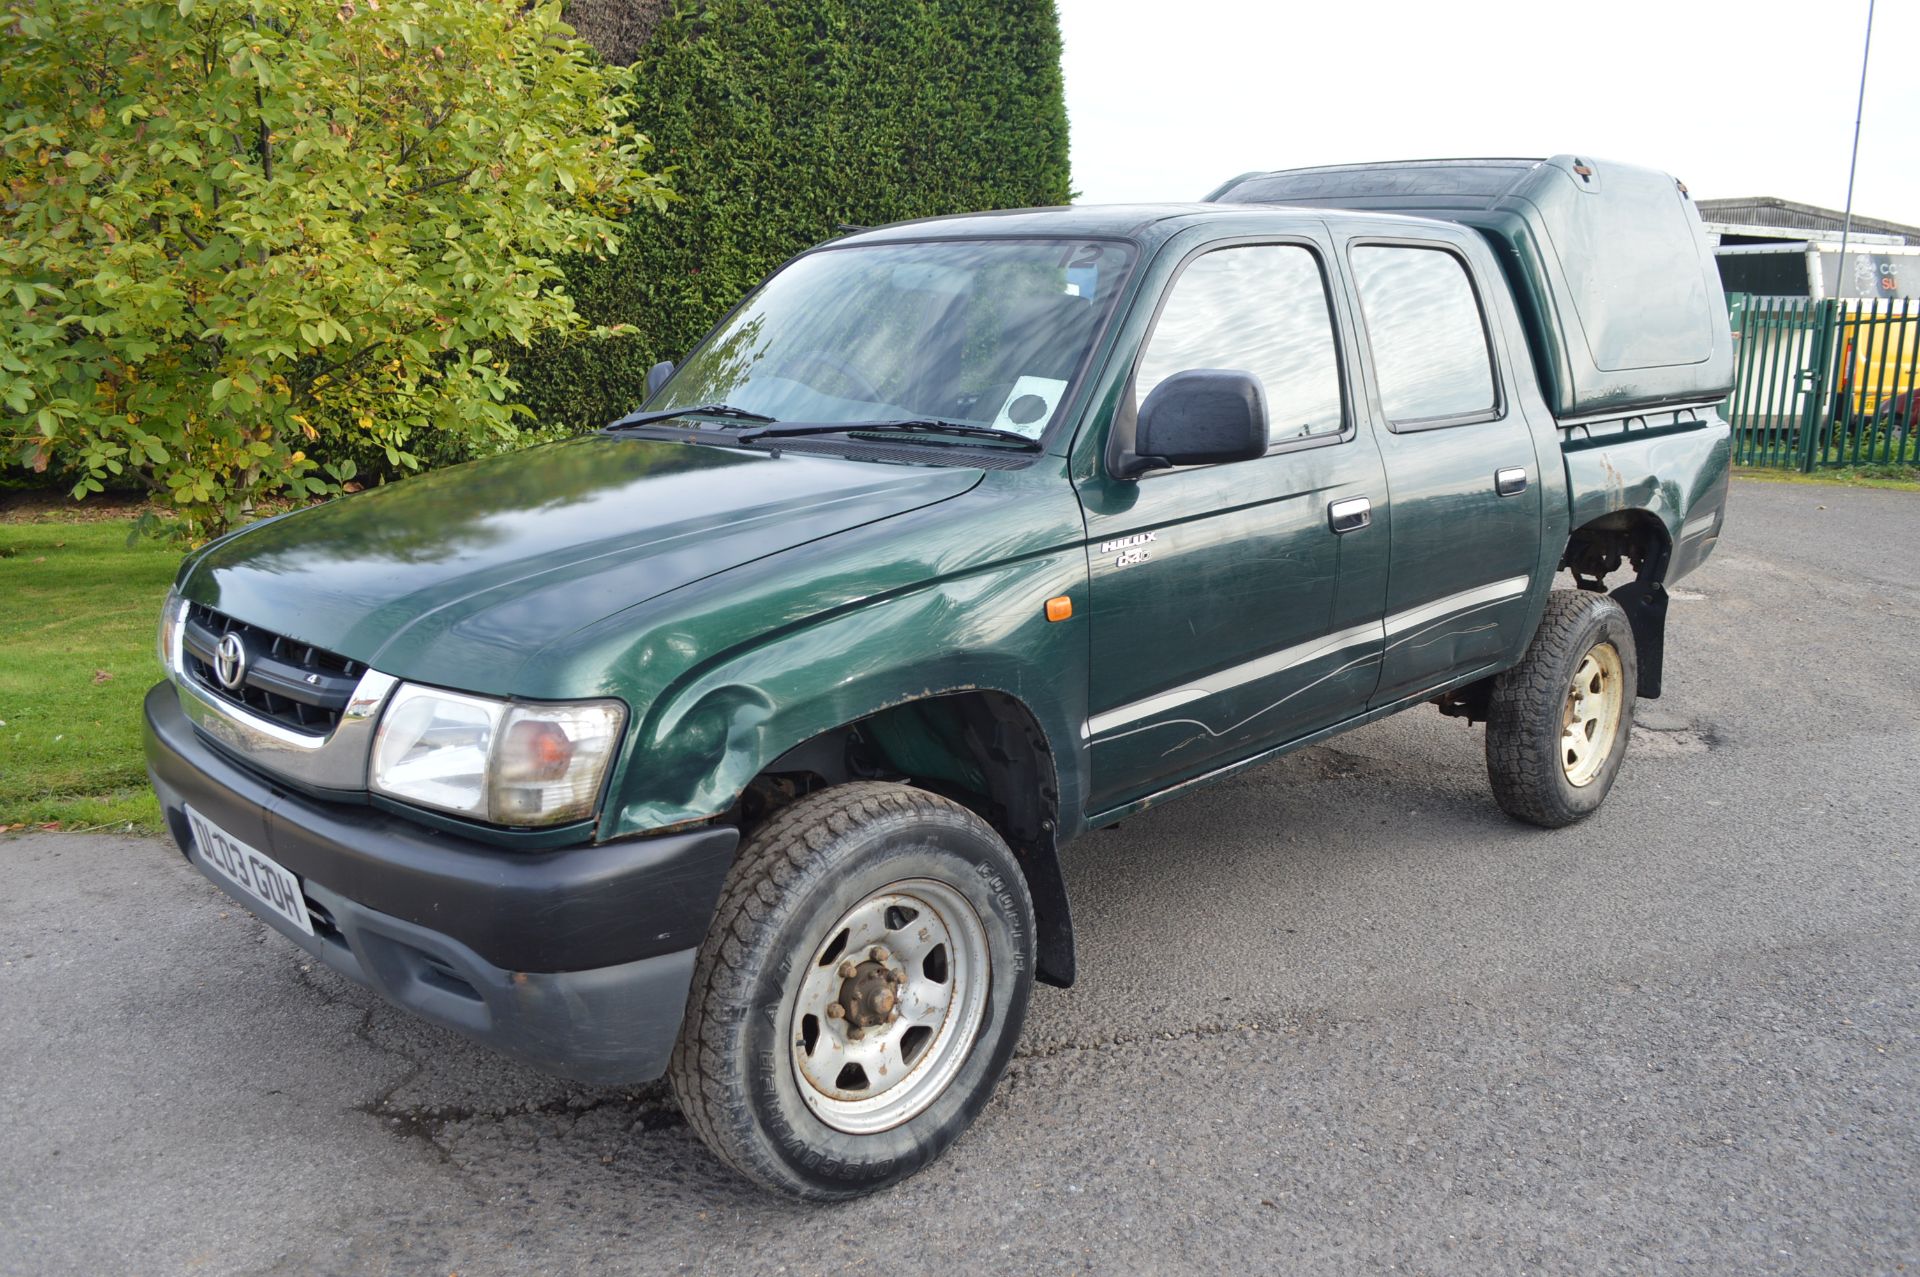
x: 860, y: 992
x: 1558, y: 722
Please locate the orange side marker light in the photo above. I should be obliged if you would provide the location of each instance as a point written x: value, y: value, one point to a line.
x: 1059, y: 608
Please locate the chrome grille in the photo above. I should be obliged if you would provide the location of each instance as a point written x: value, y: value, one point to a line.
x: 288, y: 682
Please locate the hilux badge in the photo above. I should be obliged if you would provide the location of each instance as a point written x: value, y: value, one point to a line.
x: 1131, y: 548
x: 230, y: 662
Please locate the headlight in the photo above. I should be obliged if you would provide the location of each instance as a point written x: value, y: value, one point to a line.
x: 503, y: 762
x: 170, y: 613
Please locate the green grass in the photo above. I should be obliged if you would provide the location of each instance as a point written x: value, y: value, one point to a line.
x: 78, y: 610
x: 1896, y: 478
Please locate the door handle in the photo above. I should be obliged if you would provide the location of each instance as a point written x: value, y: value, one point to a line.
x: 1511, y: 482
x: 1350, y: 515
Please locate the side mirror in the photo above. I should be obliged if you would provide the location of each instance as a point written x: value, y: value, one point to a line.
x: 657, y: 376
x: 1201, y: 417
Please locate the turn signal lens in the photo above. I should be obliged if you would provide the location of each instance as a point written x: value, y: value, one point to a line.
x: 535, y: 751
x: 1059, y: 608
x: 550, y: 761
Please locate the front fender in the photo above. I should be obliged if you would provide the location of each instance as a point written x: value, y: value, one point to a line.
x: 705, y: 738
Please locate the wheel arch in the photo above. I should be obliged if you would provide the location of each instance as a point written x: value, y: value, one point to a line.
x: 984, y: 748
x: 1639, y: 539
x: 739, y: 752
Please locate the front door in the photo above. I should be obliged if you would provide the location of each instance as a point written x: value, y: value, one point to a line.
x: 1460, y: 466
x: 1228, y: 614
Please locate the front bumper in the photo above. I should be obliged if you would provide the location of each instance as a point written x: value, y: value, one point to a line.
x: 576, y: 961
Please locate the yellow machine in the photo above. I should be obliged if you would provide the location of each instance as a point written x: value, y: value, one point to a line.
x: 1881, y: 352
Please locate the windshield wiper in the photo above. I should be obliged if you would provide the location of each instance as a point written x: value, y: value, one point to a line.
x: 700, y: 410
x: 906, y: 425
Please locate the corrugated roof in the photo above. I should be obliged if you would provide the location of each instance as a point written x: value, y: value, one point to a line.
x: 1768, y: 210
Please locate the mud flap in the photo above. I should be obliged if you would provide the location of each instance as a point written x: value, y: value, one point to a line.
x: 1645, y: 603
x: 1053, y: 943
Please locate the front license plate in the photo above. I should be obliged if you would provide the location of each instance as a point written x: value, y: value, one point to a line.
x: 254, y: 872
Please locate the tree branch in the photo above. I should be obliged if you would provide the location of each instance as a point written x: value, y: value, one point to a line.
x: 437, y: 183
x: 260, y: 105
x: 411, y: 147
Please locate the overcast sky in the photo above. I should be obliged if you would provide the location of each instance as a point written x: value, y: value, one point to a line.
x: 1735, y: 97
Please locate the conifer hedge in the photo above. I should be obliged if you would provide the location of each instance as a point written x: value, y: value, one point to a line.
x: 782, y: 120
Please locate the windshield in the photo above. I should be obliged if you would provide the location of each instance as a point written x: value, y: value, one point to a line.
x: 979, y: 332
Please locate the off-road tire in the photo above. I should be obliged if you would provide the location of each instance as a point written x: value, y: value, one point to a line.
x: 1526, y: 713
x: 732, y: 1068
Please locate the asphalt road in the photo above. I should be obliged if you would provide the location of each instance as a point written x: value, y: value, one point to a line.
x: 1337, y: 1015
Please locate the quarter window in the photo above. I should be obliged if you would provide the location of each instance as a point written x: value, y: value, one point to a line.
x: 1260, y: 309
x: 1424, y: 327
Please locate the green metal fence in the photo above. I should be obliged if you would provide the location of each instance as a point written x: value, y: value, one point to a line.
x: 1824, y: 383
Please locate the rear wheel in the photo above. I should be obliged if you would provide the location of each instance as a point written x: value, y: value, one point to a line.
x: 860, y: 992
x: 1558, y: 722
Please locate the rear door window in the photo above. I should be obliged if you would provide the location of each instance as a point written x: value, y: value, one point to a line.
x: 1427, y: 335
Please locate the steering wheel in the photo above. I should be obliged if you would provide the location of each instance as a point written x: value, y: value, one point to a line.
x: 811, y: 358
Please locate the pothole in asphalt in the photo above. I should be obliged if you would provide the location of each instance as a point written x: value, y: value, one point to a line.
x: 642, y: 1109
x: 1649, y: 741
x: 1661, y: 733
x: 1659, y: 720
x: 1328, y: 763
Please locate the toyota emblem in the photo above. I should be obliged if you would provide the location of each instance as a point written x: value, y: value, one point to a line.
x: 230, y: 662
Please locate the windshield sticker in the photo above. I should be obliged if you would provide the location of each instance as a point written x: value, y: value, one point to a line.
x: 1082, y: 274
x: 1030, y: 405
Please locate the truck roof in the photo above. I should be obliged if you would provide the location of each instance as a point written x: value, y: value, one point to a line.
x: 1482, y: 176
x: 1144, y: 223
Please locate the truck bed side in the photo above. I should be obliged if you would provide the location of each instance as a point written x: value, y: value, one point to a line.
x: 1671, y: 465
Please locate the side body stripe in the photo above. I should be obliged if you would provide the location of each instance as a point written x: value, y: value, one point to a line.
x: 1399, y: 627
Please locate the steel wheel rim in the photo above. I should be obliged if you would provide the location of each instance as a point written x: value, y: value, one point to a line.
x: 1591, y: 721
x: 931, y: 938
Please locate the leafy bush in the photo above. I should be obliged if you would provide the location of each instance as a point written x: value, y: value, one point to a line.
x: 237, y: 232
x: 781, y: 120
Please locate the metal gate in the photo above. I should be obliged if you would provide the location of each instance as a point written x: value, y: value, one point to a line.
x: 1824, y: 383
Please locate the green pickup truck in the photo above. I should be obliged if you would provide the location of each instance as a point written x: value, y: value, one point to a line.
x: 738, y: 741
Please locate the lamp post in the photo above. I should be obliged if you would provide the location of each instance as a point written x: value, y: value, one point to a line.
x: 1846, y: 224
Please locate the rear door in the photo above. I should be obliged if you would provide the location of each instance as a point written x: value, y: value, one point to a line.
x: 1228, y: 614
x: 1461, y: 469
